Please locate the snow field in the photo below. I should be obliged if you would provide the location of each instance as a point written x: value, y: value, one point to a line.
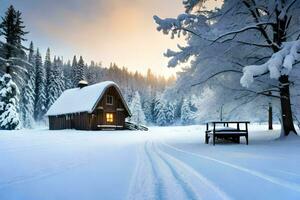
x: 163, y: 163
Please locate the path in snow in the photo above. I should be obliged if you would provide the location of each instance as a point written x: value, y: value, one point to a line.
x: 271, y: 179
x: 161, y: 176
x: 165, y: 171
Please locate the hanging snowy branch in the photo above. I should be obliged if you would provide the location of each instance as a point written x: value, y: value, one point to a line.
x: 281, y: 63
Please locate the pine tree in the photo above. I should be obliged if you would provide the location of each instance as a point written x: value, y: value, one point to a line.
x: 28, y: 92
x: 170, y: 113
x: 40, y: 90
x: 67, y: 75
x: 17, y: 70
x: 148, y: 104
x: 138, y: 115
x: 160, y: 111
x: 80, y: 73
x: 187, y: 115
x: 148, y: 110
x: 12, y: 29
x: 9, y: 117
x: 56, y: 81
x: 59, y: 73
x: 47, y: 66
x: 74, y: 72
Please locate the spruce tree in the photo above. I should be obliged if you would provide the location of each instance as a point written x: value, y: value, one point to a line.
x: 9, y: 117
x: 56, y: 81
x: 138, y: 115
x: 187, y: 114
x: 59, y: 74
x: 74, y: 72
x: 80, y: 73
x: 67, y: 75
x: 160, y: 111
x: 48, y: 67
x: 170, y: 113
x: 12, y: 29
x: 28, y: 92
x: 148, y: 104
x: 16, y: 69
x: 40, y: 90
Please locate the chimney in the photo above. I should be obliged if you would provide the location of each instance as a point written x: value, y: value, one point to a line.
x: 82, y: 84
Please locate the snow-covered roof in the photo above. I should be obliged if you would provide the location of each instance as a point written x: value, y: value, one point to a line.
x: 84, y: 99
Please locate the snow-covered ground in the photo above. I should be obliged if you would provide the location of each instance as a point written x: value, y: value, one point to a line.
x: 163, y: 163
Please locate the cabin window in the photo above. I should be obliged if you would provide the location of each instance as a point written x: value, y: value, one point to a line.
x: 109, y: 100
x: 109, y: 117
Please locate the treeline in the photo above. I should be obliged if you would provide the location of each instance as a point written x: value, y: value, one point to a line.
x: 31, y: 82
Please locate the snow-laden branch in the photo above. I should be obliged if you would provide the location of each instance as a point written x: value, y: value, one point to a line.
x: 251, y: 27
x: 254, y: 44
x: 215, y: 75
x: 281, y: 63
x: 181, y: 24
x: 286, y: 9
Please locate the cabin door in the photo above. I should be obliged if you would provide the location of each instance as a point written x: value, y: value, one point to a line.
x: 120, y: 118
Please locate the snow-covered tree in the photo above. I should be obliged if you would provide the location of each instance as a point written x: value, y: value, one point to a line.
x: 74, y: 72
x: 27, y: 98
x: 221, y: 42
x: 48, y: 67
x: 170, y: 113
x: 56, y: 81
x: 160, y: 111
x: 14, y: 68
x: 135, y: 106
x: 80, y: 73
x: 67, y: 75
x: 9, y: 117
x: 12, y: 29
x: 40, y: 88
x: 148, y: 104
x: 187, y: 115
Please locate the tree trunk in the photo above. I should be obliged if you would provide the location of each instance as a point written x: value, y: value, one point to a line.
x: 286, y: 110
x: 270, y: 117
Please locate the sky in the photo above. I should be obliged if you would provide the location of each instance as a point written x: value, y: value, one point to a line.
x: 120, y: 31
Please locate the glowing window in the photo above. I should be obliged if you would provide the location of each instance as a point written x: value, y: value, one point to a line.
x: 109, y: 117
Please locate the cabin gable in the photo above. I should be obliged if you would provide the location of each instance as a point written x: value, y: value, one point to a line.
x: 110, y: 111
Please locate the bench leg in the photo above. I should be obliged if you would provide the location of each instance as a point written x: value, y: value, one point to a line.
x: 214, y: 139
x: 247, y: 140
x: 206, y: 138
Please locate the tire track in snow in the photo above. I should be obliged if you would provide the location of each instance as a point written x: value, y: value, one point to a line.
x: 171, y: 179
x: 160, y: 188
x: 144, y: 184
x: 184, y: 172
x: 186, y: 187
x: 265, y: 177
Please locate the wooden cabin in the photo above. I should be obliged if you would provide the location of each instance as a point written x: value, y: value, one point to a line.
x: 94, y: 107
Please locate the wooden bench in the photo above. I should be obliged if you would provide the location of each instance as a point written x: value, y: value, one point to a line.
x: 221, y: 129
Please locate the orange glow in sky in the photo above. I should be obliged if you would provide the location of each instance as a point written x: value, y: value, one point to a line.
x: 120, y: 31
